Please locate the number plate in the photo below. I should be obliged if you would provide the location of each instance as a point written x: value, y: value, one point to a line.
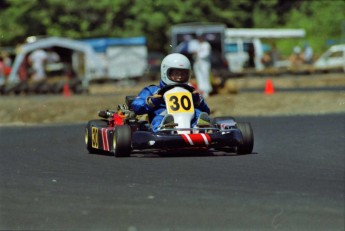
x: 179, y: 102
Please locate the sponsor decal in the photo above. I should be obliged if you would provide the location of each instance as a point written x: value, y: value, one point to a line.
x: 105, y: 139
x: 94, y: 137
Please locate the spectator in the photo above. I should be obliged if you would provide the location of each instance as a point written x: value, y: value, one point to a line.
x: 202, y: 66
x: 5, y: 64
x: 186, y: 47
x: 251, y: 55
x: 308, y: 54
x: 2, y: 71
x: 296, y: 58
x: 38, y: 59
x: 271, y: 57
x: 275, y: 55
x: 52, y: 66
x: 267, y: 60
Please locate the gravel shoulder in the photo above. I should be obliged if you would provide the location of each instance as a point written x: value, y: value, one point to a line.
x: 231, y: 100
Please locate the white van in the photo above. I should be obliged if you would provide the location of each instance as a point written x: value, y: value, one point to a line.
x: 332, y: 59
x: 244, y: 49
x: 243, y: 53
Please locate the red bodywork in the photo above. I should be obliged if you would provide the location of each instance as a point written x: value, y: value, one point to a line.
x: 118, y: 119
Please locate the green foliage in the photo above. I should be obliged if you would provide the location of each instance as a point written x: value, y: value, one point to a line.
x: 322, y: 21
x: 77, y: 19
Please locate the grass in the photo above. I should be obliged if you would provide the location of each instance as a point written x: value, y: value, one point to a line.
x: 81, y: 108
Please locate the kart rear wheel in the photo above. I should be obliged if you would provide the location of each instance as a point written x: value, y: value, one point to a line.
x: 122, y: 141
x: 248, y: 138
x: 88, y: 134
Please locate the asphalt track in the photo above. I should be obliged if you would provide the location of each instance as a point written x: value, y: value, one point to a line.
x: 294, y: 180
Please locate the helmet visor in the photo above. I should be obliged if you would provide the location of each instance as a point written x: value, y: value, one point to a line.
x: 178, y: 75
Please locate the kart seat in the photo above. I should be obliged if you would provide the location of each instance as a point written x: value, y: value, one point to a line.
x: 129, y: 101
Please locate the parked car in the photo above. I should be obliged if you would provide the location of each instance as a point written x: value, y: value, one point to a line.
x: 332, y: 59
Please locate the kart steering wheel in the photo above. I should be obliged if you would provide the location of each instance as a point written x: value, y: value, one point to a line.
x: 169, y: 87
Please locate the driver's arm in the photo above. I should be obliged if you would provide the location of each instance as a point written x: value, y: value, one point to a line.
x: 140, y: 105
x: 203, y: 106
x: 199, y: 102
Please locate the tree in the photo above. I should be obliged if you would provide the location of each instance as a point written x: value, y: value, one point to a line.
x: 322, y: 21
x: 153, y: 18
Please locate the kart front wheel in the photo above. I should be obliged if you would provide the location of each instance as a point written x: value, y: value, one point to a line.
x: 122, y: 141
x: 248, y: 138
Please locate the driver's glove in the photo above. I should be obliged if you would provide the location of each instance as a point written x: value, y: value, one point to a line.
x: 154, y: 100
x: 196, y: 98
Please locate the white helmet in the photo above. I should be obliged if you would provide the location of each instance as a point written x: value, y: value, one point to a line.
x: 175, y: 61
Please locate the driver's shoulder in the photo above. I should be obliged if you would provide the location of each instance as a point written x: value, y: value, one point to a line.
x: 152, y: 88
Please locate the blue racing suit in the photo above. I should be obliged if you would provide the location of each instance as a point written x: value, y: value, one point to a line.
x: 157, y: 114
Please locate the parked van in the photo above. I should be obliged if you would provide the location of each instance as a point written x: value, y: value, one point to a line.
x: 332, y: 59
x: 244, y: 53
x: 244, y: 49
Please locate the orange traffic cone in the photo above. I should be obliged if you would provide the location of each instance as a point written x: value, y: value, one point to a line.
x: 269, y: 88
x: 66, y: 91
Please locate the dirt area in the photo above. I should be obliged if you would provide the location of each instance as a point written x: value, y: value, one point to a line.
x: 233, y: 99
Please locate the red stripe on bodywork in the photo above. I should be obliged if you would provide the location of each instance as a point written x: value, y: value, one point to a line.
x: 105, y: 139
x: 196, y: 139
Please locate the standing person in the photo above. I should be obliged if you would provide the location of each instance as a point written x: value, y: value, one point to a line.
x: 308, y: 54
x: 5, y: 64
x: 51, y: 65
x: 202, y: 66
x: 251, y: 55
x: 296, y: 59
x: 175, y: 69
x: 38, y: 59
x: 2, y: 71
x: 275, y: 55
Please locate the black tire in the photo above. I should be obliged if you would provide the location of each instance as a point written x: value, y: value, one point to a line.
x: 88, y: 134
x: 248, y: 138
x: 122, y: 141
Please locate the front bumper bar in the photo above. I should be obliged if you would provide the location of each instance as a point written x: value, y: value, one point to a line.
x: 148, y: 140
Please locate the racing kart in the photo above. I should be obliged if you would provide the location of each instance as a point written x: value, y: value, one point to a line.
x: 121, y: 132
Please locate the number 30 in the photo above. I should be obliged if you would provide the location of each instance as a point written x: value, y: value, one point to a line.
x: 185, y: 103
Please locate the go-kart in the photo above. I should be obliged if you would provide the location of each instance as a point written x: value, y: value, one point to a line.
x: 122, y: 132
